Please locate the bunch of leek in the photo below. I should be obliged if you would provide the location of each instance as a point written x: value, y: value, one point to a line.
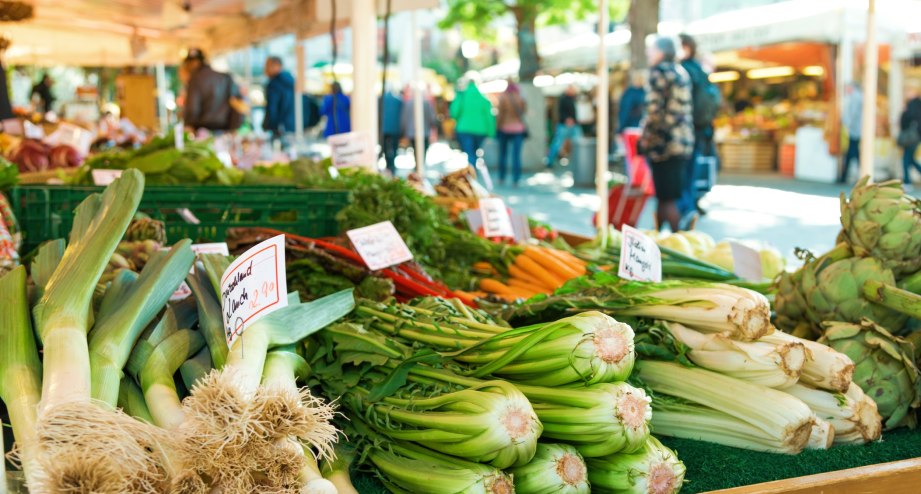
x: 739, y: 313
x: 555, y: 469
x: 654, y: 469
x: 586, y: 348
x: 699, y: 404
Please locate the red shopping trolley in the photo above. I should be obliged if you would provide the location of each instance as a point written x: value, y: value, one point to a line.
x: 626, y: 200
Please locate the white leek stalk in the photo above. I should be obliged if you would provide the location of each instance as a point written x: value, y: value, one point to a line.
x: 654, y: 469
x: 825, y: 368
x: 555, y: 469
x: 767, y: 414
x: 853, y: 414
x: 775, y: 365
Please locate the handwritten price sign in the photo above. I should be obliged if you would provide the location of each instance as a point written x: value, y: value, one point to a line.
x: 380, y: 245
x: 640, y: 258
x: 496, y: 220
x: 352, y: 149
x: 254, y: 285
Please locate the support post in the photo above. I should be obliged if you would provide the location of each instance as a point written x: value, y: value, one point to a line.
x: 300, y: 67
x: 868, y: 129
x: 161, y: 98
x: 418, y: 88
x: 601, y: 141
x: 364, y: 65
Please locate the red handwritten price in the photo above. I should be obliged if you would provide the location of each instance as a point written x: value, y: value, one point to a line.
x: 253, y: 286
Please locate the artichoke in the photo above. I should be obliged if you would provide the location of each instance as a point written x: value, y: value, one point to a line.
x: 833, y: 290
x: 885, y: 368
x: 790, y: 306
x: 881, y: 221
x: 146, y: 229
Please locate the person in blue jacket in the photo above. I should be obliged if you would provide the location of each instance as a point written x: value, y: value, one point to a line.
x: 279, y: 99
x: 391, y: 110
x: 632, y: 103
x: 336, y: 109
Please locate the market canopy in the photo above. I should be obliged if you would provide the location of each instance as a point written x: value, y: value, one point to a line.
x: 146, y: 32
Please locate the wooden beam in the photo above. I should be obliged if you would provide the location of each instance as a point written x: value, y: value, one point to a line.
x: 897, y: 477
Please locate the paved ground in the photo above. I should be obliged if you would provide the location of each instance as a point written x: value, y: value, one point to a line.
x: 784, y: 212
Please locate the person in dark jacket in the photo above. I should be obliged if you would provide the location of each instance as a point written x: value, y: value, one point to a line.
x: 566, y: 127
x: 703, y: 131
x: 208, y: 97
x: 632, y: 103
x: 910, y: 117
x: 337, y: 110
x: 668, y: 132
x: 279, y: 99
x: 42, y: 91
x: 391, y: 108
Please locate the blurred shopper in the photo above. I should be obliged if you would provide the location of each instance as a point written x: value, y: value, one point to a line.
x: 408, y: 120
x: 910, y: 136
x: 668, y: 132
x: 475, y: 121
x: 566, y: 127
x: 279, y: 99
x: 42, y: 96
x: 511, y: 131
x: 212, y: 98
x: 851, y: 118
x: 391, y: 108
x: 705, y: 102
x: 337, y: 110
x: 632, y: 102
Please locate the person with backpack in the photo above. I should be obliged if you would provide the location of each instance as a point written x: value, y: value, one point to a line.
x: 213, y: 101
x: 705, y: 97
x: 632, y: 101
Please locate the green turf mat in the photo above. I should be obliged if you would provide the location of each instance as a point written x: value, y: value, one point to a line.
x: 711, y: 466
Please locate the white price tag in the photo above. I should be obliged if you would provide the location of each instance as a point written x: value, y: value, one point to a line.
x: 254, y: 285
x: 211, y: 248
x: 33, y: 131
x: 73, y: 136
x: 746, y: 262
x: 380, y: 245
x: 640, y: 258
x: 179, y: 136
x: 352, y: 149
x: 104, y: 177
x: 496, y: 220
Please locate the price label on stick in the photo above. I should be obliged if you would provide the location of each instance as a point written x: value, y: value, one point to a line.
x: 179, y: 136
x: 352, y: 149
x: 496, y: 220
x: 253, y: 286
x: 640, y: 258
x: 746, y: 262
x: 105, y: 177
x: 380, y: 245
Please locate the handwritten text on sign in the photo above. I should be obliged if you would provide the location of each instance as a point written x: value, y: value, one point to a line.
x: 746, y: 262
x: 496, y: 220
x: 254, y: 285
x: 352, y: 149
x: 380, y: 245
x: 640, y: 258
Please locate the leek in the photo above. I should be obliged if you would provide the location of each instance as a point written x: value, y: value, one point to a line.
x: 115, y: 290
x: 825, y: 368
x: 131, y: 400
x: 150, y: 338
x: 156, y: 378
x: 336, y: 469
x: 652, y: 470
x: 775, y: 365
x: 740, y: 313
x: 196, y: 368
x: 114, y: 337
x: 589, y: 347
x: 211, y: 324
x: 725, y: 410
x: 555, y: 469
x: 853, y: 414
x: 44, y: 264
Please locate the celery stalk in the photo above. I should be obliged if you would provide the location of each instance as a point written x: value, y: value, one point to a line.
x: 853, y: 414
x: 824, y: 368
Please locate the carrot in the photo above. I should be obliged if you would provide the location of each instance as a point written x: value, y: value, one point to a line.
x: 524, y: 285
x: 550, y: 263
x: 570, y: 260
x: 483, y: 266
x: 546, y: 277
x: 523, y: 275
x: 494, y: 286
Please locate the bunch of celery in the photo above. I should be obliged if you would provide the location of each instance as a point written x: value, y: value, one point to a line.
x: 555, y: 469
x: 654, y: 469
x: 737, y: 312
x: 586, y: 348
x: 853, y: 415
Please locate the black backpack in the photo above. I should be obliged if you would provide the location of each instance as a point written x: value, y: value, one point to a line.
x: 311, y: 111
x: 705, y: 95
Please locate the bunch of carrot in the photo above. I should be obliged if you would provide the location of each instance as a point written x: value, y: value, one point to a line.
x: 536, y: 270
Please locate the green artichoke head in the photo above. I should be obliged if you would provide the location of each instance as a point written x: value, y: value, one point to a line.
x: 884, y: 368
x: 145, y: 228
x: 881, y: 221
x: 833, y: 291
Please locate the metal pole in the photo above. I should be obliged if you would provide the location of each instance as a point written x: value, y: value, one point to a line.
x: 364, y: 66
x: 161, y: 98
x: 299, y: 92
x: 418, y: 88
x: 601, y: 140
x: 868, y: 129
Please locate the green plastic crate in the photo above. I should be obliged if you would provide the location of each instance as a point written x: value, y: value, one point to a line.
x: 202, y: 213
